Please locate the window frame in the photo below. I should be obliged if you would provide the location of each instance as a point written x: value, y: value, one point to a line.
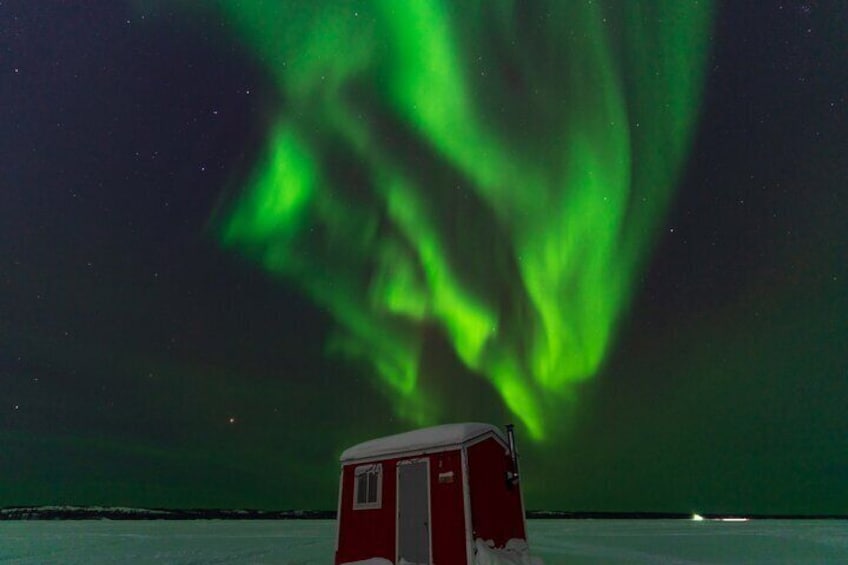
x: 371, y: 502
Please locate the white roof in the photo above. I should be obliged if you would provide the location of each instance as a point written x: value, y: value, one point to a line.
x: 421, y: 440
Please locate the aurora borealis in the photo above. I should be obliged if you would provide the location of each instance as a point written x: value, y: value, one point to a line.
x: 237, y: 238
x: 534, y: 127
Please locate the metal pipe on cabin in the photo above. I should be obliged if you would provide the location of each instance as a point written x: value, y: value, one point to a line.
x: 512, y: 476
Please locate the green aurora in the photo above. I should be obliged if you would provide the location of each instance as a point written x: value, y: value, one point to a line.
x: 494, y: 173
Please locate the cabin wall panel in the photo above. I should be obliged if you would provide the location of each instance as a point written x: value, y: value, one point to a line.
x: 496, y: 508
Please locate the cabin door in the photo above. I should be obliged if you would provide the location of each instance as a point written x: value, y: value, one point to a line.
x: 413, y: 526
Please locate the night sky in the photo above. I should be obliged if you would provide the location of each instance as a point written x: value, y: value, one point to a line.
x: 235, y: 240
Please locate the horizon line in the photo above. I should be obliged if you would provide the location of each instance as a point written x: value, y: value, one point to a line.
x: 71, y: 512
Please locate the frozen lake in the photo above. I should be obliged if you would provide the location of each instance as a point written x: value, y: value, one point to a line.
x: 302, y: 542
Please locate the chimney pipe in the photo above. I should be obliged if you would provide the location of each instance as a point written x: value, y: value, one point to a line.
x: 512, y: 475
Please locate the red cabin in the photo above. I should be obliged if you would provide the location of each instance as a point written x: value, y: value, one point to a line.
x: 436, y: 495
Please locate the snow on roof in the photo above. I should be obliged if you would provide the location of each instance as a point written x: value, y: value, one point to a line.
x: 421, y: 440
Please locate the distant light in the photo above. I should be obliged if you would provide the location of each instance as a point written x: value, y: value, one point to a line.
x: 697, y: 518
x: 232, y: 420
x: 733, y: 519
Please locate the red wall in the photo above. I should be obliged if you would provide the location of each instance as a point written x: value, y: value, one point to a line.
x: 367, y: 533
x: 446, y: 509
x: 371, y: 533
x: 496, y: 510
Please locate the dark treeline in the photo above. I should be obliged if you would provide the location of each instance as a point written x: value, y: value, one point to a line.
x: 116, y: 513
x: 119, y: 513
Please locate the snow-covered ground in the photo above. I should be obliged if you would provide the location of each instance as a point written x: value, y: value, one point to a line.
x: 308, y: 542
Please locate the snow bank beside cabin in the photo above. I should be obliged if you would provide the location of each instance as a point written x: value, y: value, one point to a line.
x: 515, y: 552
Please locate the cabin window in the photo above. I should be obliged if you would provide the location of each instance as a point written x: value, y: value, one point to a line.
x: 367, y: 486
